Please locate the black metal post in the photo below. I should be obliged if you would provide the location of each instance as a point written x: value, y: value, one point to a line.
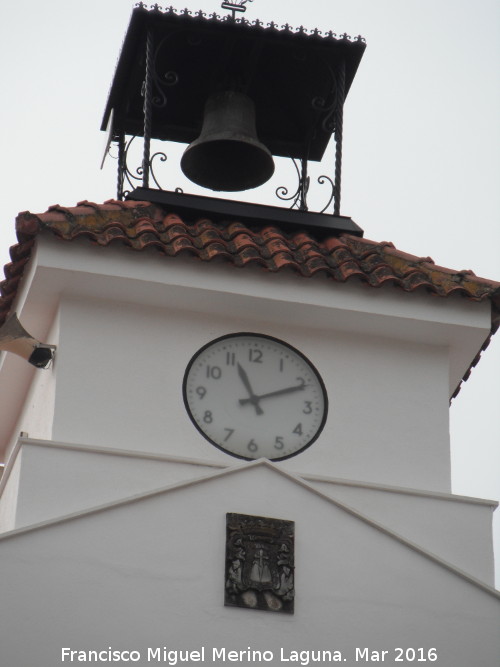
x: 148, y: 108
x: 121, y: 166
x: 339, y: 119
x: 304, y: 186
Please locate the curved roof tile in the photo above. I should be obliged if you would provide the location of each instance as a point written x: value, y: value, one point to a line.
x: 343, y: 257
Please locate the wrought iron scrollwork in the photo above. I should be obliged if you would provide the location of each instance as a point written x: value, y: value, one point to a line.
x: 161, y: 80
x: 127, y: 175
x: 159, y: 100
x: 333, y: 123
x: 321, y: 180
x: 162, y: 158
x: 330, y: 108
x: 129, y: 178
x: 153, y: 80
x: 299, y: 197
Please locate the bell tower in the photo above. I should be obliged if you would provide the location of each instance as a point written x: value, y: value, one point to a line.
x: 238, y: 92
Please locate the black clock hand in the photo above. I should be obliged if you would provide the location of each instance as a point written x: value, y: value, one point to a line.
x: 279, y: 392
x: 253, y: 399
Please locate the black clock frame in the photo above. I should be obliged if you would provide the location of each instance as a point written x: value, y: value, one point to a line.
x: 280, y: 342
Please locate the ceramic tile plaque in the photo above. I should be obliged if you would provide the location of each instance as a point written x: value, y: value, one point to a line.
x: 259, y: 563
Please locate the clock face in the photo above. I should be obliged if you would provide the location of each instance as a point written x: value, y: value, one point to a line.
x: 255, y: 396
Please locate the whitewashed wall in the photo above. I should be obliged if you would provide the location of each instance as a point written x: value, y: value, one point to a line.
x: 150, y: 573
x: 58, y: 479
x: 127, y: 324
x: 119, y: 384
x: 10, y: 493
x: 107, y: 421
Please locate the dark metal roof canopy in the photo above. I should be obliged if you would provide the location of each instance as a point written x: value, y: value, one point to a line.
x: 171, y: 63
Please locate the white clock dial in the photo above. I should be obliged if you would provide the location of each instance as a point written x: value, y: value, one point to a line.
x: 254, y: 396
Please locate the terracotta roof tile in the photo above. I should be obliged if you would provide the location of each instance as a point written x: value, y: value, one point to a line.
x: 142, y: 225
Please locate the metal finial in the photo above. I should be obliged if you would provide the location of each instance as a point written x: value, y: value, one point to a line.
x: 234, y: 7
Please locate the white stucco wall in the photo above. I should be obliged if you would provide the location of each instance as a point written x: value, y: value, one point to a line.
x: 150, y: 573
x: 58, y: 479
x: 37, y: 412
x: 457, y: 529
x: 389, y: 359
x: 9, y: 494
x: 119, y: 384
x: 112, y: 417
x: 61, y: 479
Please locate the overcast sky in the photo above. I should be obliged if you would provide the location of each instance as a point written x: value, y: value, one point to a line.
x: 421, y: 143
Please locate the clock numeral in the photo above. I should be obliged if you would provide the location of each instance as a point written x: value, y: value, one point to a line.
x: 252, y: 446
x: 214, y: 372
x: 255, y: 355
x: 253, y: 382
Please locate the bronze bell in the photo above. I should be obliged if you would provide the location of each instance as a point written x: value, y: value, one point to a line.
x: 227, y: 155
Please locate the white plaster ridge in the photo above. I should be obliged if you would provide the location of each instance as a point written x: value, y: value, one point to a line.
x: 243, y: 468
